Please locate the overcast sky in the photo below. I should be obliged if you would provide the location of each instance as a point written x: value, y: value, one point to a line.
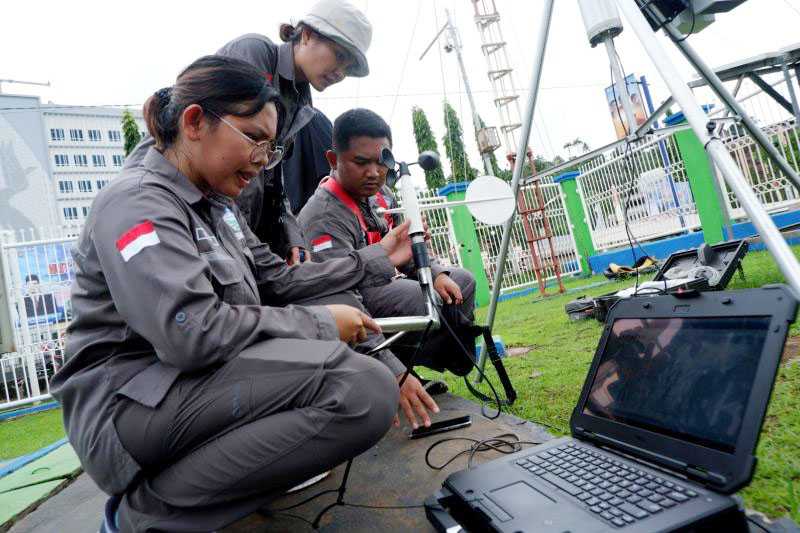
x: 97, y: 53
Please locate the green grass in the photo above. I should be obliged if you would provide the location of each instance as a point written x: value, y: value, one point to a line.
x: 20, y: 436
x: 548, y: 379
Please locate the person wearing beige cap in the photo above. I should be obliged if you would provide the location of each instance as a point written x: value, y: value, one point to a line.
x: 326, y: 45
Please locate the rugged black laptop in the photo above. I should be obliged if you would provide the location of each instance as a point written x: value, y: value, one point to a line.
x: 666, y: 426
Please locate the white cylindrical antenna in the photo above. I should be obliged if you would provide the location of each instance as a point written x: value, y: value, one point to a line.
x: 601, y: 19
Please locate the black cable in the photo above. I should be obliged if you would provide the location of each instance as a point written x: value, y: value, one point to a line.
x: 500, y: 443
x: 477, y: 367
x: 296, y: 517
x: 691, y: 30
x: 627, y: 189
x: 420, y: 345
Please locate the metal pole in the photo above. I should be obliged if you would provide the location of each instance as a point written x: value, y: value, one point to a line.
x: 697, y: 118
x: 792, y: 92
x: 722, y: 93
x: 621, y: 86
x: 527, y: 121
x: 456, y: 42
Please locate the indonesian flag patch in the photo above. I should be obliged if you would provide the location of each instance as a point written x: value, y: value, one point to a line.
x: 137, y: 239
x: 323, y: 242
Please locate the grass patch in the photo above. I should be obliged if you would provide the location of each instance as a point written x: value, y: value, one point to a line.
x: 548, y: 379
x: 20, y: 436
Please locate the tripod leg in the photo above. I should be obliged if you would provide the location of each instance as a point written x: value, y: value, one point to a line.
x: 527, y: 121
x: 339, y: 499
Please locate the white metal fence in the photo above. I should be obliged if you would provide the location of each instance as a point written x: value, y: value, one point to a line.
x: 37, y: 273
x: 774, y: 191
x: 520, y: 268
x: 648, y: 180
x: 443, y: 243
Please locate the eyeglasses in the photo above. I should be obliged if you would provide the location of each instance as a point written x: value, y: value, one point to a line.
x: 265, y: 153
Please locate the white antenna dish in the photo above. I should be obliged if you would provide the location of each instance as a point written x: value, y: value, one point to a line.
x: 490, y: 200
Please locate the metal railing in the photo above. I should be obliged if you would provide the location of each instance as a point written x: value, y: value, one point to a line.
x: 37, y: 274
x: 774, y: 191
x: 443, y: 243
x: 520, y: 269
x: 647, y: 182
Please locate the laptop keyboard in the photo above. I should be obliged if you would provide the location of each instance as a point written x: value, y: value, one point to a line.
x: 618, y: 493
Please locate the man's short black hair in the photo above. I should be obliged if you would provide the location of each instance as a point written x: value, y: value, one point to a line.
x: 358, y: 122
x: 31, y: 277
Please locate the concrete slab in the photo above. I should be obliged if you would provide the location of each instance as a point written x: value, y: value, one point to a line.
x: 78, y: 507
x: 390, y: 474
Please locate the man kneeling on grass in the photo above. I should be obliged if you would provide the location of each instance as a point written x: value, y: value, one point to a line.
x: 340, y: 218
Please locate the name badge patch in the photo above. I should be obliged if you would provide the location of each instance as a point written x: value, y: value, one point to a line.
x: 233, y: 223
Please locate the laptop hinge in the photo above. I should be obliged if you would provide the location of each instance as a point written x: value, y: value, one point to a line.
x: 624, y: 447
x: 690, y: 471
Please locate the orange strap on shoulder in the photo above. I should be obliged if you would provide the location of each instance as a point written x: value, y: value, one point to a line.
x: 333, y: 187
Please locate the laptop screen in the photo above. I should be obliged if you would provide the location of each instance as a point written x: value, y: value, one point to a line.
x: 688, y: 378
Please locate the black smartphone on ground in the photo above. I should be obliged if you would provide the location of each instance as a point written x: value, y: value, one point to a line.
x: 441, y: 427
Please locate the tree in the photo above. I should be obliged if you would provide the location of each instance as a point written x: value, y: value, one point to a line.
x: 426, y: 141
x: 454, y: 147
x: 130, y: 131
x: 578, y: 145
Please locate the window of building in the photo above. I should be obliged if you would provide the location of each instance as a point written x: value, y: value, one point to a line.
x: 85, y: 211
x: 85, y: 185
x: 98, y: 160
x: 79, y: 160
x: 118, y: 160
x: 62, y: 160
x: 114, y: 136
x: 101, y: 184
x: 75, y: 135
x: 70, y: 213
x: 95, y: 135
x: 56, y: 134
x: 65, y: 187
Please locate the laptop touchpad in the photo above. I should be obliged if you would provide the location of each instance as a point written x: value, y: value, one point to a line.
x: 519, y: 498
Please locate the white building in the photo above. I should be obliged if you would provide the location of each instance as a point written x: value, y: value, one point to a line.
x: 54, y: 159
x: 85, y: 146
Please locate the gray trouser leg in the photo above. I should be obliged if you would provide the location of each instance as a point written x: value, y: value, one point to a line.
x: 223, y: 443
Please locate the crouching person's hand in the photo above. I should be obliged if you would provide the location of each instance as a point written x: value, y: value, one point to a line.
x: 415, y: 401
x: 352, y: 323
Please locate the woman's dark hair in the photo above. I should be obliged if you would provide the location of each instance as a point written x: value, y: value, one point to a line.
x: 291, y: 34
x: 220, y: 85
x: 358, y: 122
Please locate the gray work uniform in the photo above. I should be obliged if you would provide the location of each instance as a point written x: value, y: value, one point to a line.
x: 263, y: 202
x: 324, y: 215
x: 180, y: 390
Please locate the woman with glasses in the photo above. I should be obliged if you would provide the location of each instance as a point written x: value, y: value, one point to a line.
x: 188, y: 397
